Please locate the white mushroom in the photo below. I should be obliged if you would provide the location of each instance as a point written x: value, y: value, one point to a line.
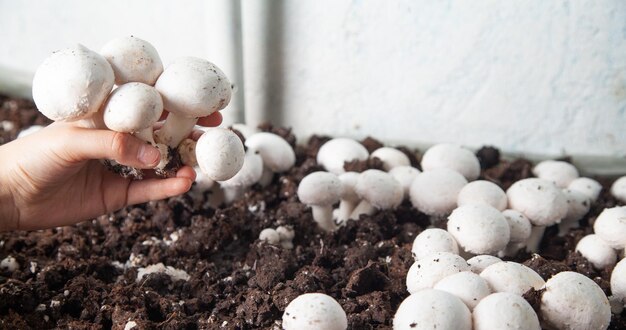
x: 133, y: 60
x: 558, y: 172
x: 467, y: 286
x: 220, y: 153
x: 479, y: 228
x: 29, y: 130
x: 286, y: 235
x: 249, y: 174
x: 72, y: 84
x: 335, y: 152
x: 391, y: 157
x: 377, y: 190
x: 618, y: 282
x: 505, y: 311
x: 484, y: 192
x: 480, y: 262
x: 433, y: 240
x: 405, y: 175
x: 349, y: 198
x: 432, y: 309
x: 596, y: 251
x: 520, y: 228
x: 269, y: 235
x: 10, y: 264
x: 578, y: 204
x: 618, y: 189
x: 573, y: 301
x: 191, y: 88
x: 590, y: 187
x: 278, y: 156
x: 453, y: 157
x: 610, y: 225
x: 313, y: 311
x: 426, y: 272
x: 435, y: 192
x: 508, y: 276
x: 320, y: 190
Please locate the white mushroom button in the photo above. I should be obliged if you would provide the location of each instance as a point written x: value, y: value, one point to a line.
x: 191, y: 88
x: 133, y: 60
x: 558, y: 172
x: 573, y: 301
x: 378, y: 190
x: 590, y: 187
x: 426, y: 272
x: 618, y: 282
x: 335, y: 152
x: 405, y: 175
x: 611, y: 226
x: 435, y: 192
x: 220, y: 154
x: 72, y: 84
x: 479, y: 228
x: 314, y: 311
x: 10, y: 264
x: 467, y: 286
x: 349, y: 198
x: 480, y: 262
x: 618, y: 189
x: 391, y: 157
x: 508, y: 276
x: 453, y: 157
x: 433, y: 240
x: 270, y: 236
x: 597, y: 251
x: 320, y: 190
x: 504, y: 311
x: 578, y: 204
x: 483, y: 192
x: 278, y: 156
x: 432, y: 309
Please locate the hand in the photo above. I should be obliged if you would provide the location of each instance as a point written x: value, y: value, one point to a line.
x: 53, y: 177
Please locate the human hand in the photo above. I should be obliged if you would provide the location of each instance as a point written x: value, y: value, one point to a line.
x: 53, y: 177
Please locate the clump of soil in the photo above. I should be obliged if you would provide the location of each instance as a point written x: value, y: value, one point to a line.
x: 84, y: 276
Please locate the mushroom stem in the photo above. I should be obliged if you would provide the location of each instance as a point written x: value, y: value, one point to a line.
x: 323, y: 215
x: 266, y: 177
x: 175, y: 129
x: 345, y: 209
x: 536, y: 234
x: 364, y: 207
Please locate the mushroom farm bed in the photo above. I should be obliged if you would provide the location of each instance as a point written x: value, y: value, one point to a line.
x: 218, y: 274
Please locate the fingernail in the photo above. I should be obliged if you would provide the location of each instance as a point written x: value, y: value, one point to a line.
x: 148, y: 155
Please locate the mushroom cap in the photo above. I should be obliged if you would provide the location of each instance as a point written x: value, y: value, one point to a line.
x: 479, y: 228
x: 519, y: 226
x: 467, y: 286
x: 433, y: 240
x: 319, y: 188
x: 348, y: 184
x: 505, y: 311
x: 277, y: 154
x: 220, y: 154
x: 480, y: 262
x: 508, y: 276
x: 539, y: 200
x: 618, y: 281
x: 610, y: 225
x: 618, y: 189
x: 133, y: 60
x: 391, y: 157
x: 426, y: 272
x: 380, y: 189
x: 574, y: 301
x: 312, y: 311
x: 430, y: 309
x: 596, y: 251
x: 484, y: 192
x: 72, y: 84
x: 193, y: 87
x: 558, y: 172
x: 454, y: 157
x: 578, y: 204
x: 250, y: 172
x: 270, y: 235
x: 435, y: 192
x: 587, y: 186
x: 405, y: 175
x: 335, y: 152
x: 132, y: 107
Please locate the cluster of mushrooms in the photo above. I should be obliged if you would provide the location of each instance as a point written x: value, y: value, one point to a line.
x: 125, y: 88
x: 458, y: 280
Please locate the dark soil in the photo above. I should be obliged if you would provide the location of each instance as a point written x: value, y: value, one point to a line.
x: 84, y: 276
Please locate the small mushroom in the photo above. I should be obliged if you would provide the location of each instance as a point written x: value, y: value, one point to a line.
x: 430, y: 309
x: 377, y: 190
x: 391, y: 157
x: 10, y: 264
x: 618, y: 189
x: 320, y: 190
x: 313, y: 311
x: 610, y: 225
x: 596, y: 251
x: 558, y: 172
x: 590, y: 187
x: 405, y: 175
x: 454, y: 157
x: 578, y: 204
x: 479, y: 228
x: 468, y: 286
x: 133, y: 60
x: 278, y: 156
x: 334, y: 153
x: 435, y: 192
x: 269, y: 235
x: 433, y: 240
x: 485, y: 192
x: 574, y: 301
x: 220, y: 154
x: 504, y: 311
x: 426, y: 272
x: 480, y: 262
x: 618, y: 283
x: 508, y: 276
x: 286, y: 234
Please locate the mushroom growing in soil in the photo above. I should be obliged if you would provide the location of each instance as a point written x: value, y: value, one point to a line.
x: 484, y: 192
x: 72, y: 84
x: 405, y: 175
x: 391, y: 157
x: 334, y: 153
x: 454, y: 157
x: 377, y: 190
x: 618, y: 189
x: 479, y: 263
x: 467, y: 286
x: 574, y: 301
x: 191, y: 88
x: 505, y: 311
x: 278, y: 156
x: 479, y: 228
x: 426, y: 272
x: 558, y: 172
x: 433, y: 240
x: 508, y: 276
x: 435, y: 192
x: 596, y: 251
x: 610, y: 225
x: 618, y: 284
x: 133, y: 60
x: 320, y: 190
x: 590, y: 187
x: 578, y: 204
x: 432, y: 309
x: 349, y: 198
x: 314, y: 311
x: 220, y: 154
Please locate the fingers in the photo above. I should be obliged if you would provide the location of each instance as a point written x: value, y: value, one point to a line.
x: 212, y: 120
x: 141, y: 191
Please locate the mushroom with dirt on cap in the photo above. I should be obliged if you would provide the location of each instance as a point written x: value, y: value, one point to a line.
x: 391, y: 157
x: 596, y: 251
x: 320, y: 190
x: 578, y: 204
x: 485, y: 192
x: 520, y: 229
x: 508, y: 276
x: 590, y: 187
x: 313, y: 311
x: 426, y: 272
x: 133, y: 60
